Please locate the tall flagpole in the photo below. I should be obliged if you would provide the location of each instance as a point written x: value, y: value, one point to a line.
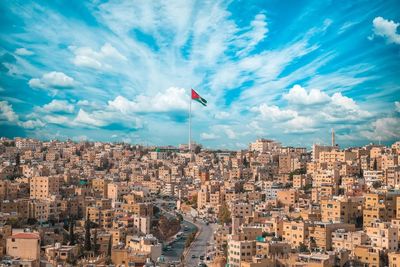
x: 190, y: 121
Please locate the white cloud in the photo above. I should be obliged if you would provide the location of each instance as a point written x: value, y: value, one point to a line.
x: 275, y: 113
x: 383, y: 129
x: 397, y: 106
x: 171, y: 99
x: 222, y: 115
x: 299, y: 95
x: 343, y: 101
x: 343, y: 108
x: 87, y: 57
x: 7, y: 113
x: 58, y: 106
x: 256, y: 33
x: 230, y: 133
x: 386, y: 29
x: 106, y: 118
x: 58, y: 119
x: 346, y: 26
x: 88, y: 119
x: 32, y: 124
x: 23, y: 52
x: 88, y: 104
x: 52, y: 79
x: 208, y: 136
x: 300, y: 124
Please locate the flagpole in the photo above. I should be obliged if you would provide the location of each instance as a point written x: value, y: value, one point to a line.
x: 190, y: 122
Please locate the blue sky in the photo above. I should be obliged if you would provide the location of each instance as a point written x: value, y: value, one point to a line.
x: 122, y: 71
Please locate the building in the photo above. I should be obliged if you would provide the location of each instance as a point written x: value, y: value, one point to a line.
x: 344, y: 210
x: 42, y: 187
x: 383, y: 236
x: 367, y: 255
x: 240, y: 250
x: 26, y: 247
x: 342, y: 239
x: 264, y: 145
x: 295, y: 233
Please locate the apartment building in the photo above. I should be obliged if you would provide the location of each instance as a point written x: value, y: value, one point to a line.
x: 42, y: 187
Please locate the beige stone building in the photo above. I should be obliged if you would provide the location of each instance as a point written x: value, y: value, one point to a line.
x: 25, y: 246
x: 42, y: 187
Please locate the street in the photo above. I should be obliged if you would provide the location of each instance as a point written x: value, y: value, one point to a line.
x: 199, y: 246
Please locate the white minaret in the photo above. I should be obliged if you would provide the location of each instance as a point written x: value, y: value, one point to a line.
x: 333, y: 137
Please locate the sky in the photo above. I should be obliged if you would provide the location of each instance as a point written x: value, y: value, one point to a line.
x: 122, y: 71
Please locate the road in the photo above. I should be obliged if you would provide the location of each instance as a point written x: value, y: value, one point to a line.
x: 178, y: 246
x: 199, y: 245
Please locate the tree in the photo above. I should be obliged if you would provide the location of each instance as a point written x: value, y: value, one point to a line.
x: 109, y: 246
x: 197, y: 149
x: 359, y: 221
x: 303, y: 248
x: 375, y: 165
x: 307, y: 187
x: 95, y: 245
x: 71, y: 232
x: 156, y: 210
x: 245, y: 162
x: 297, y: 172
x: 224, y: 214
x: 180, y: 217
x: 32, y: 221
x: 377, y: 184
x: 88, y: 243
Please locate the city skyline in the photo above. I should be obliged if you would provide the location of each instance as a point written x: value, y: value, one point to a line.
x: 107, y: 71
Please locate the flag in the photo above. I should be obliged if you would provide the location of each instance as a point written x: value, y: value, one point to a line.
x: 198, y: 98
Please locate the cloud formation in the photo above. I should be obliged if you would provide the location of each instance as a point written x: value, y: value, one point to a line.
x: 54, y: 79
x: 171, y: 99
x: 128, y: 68
x: 299, y: 95
x: 106, y: 56
x: 58, y: 106
x: 23, y: 52
x: 386, y: 29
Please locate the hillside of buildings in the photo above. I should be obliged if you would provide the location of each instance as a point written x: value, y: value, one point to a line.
x: 115, y: 204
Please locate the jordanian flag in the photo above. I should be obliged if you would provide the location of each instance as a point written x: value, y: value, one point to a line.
x: 198, y: 98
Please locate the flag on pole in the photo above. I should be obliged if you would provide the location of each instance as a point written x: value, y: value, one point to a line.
x: 198, y: 98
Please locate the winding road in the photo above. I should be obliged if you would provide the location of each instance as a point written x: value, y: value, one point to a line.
x: 198, y: 247
x: 200, y: 244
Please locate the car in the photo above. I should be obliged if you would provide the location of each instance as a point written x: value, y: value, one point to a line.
x: 193, y: 256
x: 202, y: 257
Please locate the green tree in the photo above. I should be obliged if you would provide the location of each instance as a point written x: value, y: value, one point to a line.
x: 95, y: 245
x: 197, y: 149
x: 297, y: 172
x: 109, y: 246
x: 224, y: 214
x: 71, y: 232
x: 180, y: 217
x: 245, y: 162
x: 88, y: 243
x: 303, y: 248
x: 376, y: 184
x: 375, y: 165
